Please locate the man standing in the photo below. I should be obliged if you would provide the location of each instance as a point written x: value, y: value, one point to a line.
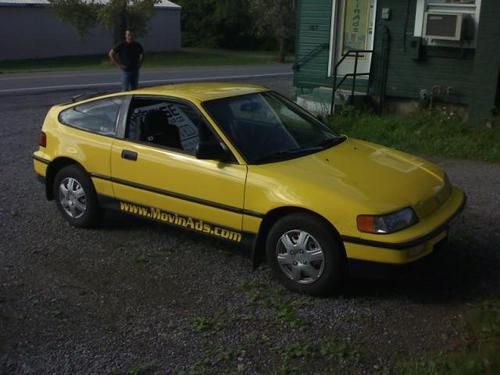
x: 128, y: 56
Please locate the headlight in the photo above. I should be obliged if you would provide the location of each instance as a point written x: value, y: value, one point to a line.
x: 381, y: 224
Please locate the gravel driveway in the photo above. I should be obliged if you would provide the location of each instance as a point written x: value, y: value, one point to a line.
x: 135, y: 297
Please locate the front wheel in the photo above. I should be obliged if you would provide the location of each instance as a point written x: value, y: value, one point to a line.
x: 304, y: 255
x: 75, y: 197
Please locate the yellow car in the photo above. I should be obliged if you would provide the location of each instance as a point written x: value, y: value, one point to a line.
x: 242, y: 163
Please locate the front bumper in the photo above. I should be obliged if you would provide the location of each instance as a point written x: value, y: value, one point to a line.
x: 374, y: 270
x: 409, y: 245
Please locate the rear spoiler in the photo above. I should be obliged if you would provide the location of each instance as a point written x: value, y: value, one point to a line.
x: 85, y: 96
x: 89, y: 95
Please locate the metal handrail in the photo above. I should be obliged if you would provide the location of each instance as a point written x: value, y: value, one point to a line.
x: 354, y: 75
x: 310, y: 55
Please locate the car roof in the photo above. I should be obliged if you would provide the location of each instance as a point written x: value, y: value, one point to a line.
x: 202, y: 91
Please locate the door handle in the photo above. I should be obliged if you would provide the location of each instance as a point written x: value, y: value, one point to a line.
x: 129, y: 155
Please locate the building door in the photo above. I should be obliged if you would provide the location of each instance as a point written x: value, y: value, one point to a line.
x: 353, y: 28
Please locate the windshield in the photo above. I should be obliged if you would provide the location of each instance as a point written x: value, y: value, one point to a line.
x: 265, y: 127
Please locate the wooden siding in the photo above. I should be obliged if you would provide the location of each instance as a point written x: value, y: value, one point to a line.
x: 485, y: 93
x: 449, y: 68
x: 313, y: 29
x: 469, y: 75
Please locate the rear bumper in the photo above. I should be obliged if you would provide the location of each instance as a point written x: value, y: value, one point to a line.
x: 40, y: 164
x: 361, y: 250
x: 40, y: 179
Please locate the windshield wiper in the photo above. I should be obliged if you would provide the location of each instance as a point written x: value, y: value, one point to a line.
x: 330, y: 142
x: 282, y: 155
x: 295, y: 152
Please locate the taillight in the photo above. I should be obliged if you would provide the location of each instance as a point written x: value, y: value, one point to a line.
x: 42, y: 141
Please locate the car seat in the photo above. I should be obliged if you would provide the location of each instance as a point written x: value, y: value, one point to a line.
x: 156, y: 129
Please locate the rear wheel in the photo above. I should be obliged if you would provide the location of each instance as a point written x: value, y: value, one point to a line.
x: 304, y: 255
x: 75, y: 197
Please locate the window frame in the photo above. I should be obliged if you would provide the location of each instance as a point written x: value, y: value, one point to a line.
x: 425, y: 6
x: 336, y: 38
x: 203, y: 118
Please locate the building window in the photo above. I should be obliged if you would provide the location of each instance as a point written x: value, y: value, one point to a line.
x: 448, y: 23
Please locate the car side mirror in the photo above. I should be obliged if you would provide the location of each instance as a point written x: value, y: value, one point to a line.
x: 210, y: 150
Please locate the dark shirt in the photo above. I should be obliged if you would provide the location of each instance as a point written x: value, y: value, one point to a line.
x: 129, y: 55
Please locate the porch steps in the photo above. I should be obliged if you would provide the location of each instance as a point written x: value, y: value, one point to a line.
x: 319, y: 101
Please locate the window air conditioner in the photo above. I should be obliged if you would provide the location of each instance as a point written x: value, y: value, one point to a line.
x: 443, y: 26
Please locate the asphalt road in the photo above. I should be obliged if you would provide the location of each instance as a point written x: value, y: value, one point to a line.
x: 135, y: 297
x: 25, y: 83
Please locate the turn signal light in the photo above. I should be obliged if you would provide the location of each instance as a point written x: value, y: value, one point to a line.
x: 42, y: 141
x: 366, y: 223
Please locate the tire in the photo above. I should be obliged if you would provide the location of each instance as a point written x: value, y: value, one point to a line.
x: 305, y: 255
x: 76, y: 197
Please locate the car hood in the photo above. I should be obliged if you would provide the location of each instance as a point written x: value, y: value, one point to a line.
x: 377, y: 179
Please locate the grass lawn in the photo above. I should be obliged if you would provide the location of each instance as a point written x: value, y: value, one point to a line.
x: 429, y: 134
x: 185, y: 57
x: 476, y: 353
x: 443, y: 135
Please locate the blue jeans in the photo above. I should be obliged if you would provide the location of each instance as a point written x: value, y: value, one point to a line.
x: 130, y: 80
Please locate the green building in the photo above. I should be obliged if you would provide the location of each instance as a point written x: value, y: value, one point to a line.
x: 414, y: 51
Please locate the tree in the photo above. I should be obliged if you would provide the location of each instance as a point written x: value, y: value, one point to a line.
x: 234, y: 24
x: 217, y: 23
x: 198, y: 22
x: 115, y: 15
x: 276, y: 18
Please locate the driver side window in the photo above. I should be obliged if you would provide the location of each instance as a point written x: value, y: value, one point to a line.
x: 165, y: 123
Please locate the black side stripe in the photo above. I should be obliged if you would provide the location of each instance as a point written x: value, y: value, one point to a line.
x: 178, y: 196
x: 408, y: 244
x: 41, y: 160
